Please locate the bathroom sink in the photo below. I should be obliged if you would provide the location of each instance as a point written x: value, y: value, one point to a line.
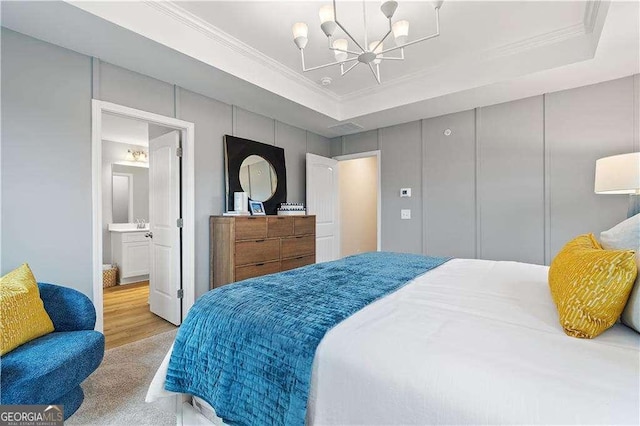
x: 127, y: 227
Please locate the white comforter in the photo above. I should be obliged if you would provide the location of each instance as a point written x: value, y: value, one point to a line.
x: 471, y: 342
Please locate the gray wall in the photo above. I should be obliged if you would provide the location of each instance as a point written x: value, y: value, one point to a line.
x: 46, y: 161
x: 512, y: 182
x: 46, y: 158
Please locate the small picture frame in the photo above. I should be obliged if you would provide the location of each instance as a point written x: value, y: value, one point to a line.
x: 256, y: 207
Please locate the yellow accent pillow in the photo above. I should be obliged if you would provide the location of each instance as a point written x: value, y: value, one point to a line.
x: 22, y: 314
x: 590, y: 285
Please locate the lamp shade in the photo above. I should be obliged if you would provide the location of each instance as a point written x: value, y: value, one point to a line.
x: 377, y: 51
x: 300, y: 29
x: 619, y: 174
x: 326, y: 14
x: 341, y: 44
x: 401, y: 31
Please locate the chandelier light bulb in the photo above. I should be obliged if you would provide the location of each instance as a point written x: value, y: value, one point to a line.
x: 300, y: 32
x: 351, y: 51
x: 341, y: 44
x: 401, y: 32
x: 377, y: 50
x: 326, y: 14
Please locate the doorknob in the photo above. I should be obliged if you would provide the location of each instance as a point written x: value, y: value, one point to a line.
x: 149, y: 235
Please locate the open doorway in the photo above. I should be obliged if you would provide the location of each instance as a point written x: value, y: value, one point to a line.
x: 347, y: 208
x: 138, y: 189
x: 358, y: 205
x: 143, y: 222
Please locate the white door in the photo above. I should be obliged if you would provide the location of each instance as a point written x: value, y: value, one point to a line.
x: 164, y: 211
x: 323, y: 200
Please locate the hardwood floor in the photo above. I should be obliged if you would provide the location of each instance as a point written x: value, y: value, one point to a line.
x: 127, y: 317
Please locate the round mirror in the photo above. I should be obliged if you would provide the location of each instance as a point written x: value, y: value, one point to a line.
x: 258, y: 178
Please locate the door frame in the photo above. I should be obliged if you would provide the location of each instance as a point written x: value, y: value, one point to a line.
x: 187, y: 130
x: 378, y: 154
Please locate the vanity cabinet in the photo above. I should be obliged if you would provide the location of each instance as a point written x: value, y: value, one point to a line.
x: 130, y: 251
x: 244, y: 247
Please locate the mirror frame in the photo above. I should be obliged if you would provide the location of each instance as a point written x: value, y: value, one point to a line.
x: 236, y: 150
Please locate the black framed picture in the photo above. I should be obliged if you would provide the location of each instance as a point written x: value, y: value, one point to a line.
x: 257, y: 208
x: 257, y: 169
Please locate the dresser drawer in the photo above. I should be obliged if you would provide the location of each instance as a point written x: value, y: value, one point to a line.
x: 134, y: 237
x: 298, y: 246
x: 245, y: 272
x: 304, y: 225
x: 248, y: 228
x: 297, y: 262
x: 257, y: 251
x: 279, y: 226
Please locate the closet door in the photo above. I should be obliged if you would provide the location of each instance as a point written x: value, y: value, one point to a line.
x: 510, y: 181
x: 449, y: 181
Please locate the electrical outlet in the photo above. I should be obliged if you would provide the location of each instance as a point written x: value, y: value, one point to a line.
x: 405, y: 214
x: 405, y: 192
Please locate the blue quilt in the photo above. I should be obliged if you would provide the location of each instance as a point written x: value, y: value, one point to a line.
x: 248, y: 348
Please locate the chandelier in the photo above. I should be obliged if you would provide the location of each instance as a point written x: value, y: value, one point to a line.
x: 368, y: 53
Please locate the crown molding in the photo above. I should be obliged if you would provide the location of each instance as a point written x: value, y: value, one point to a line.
x: 591, y: 15
x: 509, y: 49
x: 178, y: 13
x: 175, y: 11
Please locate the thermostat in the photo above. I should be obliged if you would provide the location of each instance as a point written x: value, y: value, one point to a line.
x: 405, y: 192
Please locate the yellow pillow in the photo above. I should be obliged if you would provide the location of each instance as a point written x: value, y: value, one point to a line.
x: 22, y: 314
x: 590, y: 285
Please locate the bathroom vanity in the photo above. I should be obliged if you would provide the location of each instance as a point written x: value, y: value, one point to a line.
x: 130, y: 251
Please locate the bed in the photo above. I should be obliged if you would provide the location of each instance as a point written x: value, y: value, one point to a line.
x: 469, y: 342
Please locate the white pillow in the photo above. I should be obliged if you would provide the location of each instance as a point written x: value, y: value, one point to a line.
x: 626, y: 235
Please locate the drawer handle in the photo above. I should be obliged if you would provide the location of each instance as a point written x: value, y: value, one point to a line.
x: 259, y: 241
x: 259, y: 264
x: 280, y: 218
x: 149, y: 235
x: 251, y: 218
x: 301, y: 257
x: 300, y: 236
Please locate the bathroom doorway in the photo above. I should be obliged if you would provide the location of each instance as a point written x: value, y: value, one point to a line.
x: 143, y: 222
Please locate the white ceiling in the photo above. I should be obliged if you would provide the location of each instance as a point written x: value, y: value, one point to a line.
x: 125, y: 130
x: 466, y: 28
x: 242, y: 53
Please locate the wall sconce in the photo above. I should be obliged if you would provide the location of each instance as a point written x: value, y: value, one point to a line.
x: 136, y: 156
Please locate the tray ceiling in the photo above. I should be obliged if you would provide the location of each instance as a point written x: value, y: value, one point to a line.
x: 242, y: 53
x: 467, y: 29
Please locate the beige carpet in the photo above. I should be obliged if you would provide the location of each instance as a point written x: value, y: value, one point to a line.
x: 114, y: 393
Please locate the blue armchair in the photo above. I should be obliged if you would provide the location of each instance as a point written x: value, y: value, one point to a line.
x: 49, y: 370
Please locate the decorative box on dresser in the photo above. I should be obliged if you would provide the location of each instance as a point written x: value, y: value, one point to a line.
x: 244, y: 247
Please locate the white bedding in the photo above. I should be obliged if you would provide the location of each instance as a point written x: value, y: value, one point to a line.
x: 470, y: 342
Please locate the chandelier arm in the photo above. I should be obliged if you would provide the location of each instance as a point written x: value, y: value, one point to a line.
x: 364, y: 19
x: 305, y: 69
x: 385, y: 36
x: 434, y: 35
x: 343, y: 50
x: 350, y: 36
x: 335, y: 19
x: 394, y: 58
x: 349, y: 69
x: 377, y: 76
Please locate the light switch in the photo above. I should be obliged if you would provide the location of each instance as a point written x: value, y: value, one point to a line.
x: 405, y: 192
x: 405, y: 214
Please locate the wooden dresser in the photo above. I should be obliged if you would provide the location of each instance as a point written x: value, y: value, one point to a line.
x: 249, y: 246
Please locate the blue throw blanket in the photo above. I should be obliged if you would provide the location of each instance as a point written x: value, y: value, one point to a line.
x: 248, y: 348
